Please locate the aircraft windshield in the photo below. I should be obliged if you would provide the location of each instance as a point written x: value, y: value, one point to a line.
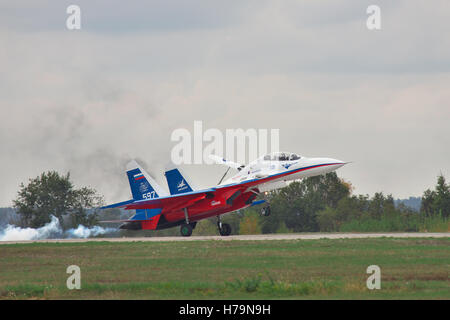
x: 281, y: 156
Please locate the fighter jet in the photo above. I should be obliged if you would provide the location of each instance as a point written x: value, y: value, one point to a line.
x: 186, y: 205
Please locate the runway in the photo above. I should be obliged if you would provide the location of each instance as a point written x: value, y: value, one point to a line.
x: 260, y: 237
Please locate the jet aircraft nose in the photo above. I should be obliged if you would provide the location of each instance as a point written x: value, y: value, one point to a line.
x: 337, y: 163
x: 329, y: 164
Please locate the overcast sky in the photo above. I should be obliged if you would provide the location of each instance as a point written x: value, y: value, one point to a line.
x: 87, y: 101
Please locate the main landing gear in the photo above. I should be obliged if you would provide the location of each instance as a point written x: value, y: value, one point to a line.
x: 186, y: 228
x: 224, y: 228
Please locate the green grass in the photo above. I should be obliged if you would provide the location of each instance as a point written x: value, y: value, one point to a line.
x: 300, y: 269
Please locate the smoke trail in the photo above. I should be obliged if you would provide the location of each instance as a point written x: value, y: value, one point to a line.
x: 83, y: 232
x: 51, y: 230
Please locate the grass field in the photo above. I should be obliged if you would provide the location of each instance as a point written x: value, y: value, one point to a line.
x: 300, y: 269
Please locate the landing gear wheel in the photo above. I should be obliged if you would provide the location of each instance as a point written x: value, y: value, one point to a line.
x: 224, y: 229
x: 265, y: 211
x: 186, y: 230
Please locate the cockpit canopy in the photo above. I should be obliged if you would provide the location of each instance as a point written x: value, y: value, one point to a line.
x: 281, y: 156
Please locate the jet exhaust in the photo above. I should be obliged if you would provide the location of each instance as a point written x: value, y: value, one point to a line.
x: 51, y: 230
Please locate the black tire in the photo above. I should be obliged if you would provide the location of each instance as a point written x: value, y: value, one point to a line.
x: 225, y: 230
x: 265, y: 211
x: 186, y: 230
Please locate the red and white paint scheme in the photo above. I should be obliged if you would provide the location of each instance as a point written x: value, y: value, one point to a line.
x: 156, y: 209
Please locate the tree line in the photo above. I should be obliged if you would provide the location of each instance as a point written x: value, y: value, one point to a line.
x: 323, y: 203
x: 326, y: 203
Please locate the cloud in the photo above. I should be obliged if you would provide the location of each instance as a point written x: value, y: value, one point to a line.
x: 116, y: 17
x: 87, y: 101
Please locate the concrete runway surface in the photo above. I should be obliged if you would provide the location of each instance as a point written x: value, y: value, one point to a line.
x: 259, y: 237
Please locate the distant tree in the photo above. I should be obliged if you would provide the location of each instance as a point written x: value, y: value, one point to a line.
x: 54, y: 194
x: 206, y: 227
x: 333, y: 188
x: 297, y: 205
x: 348, y: 208
x: 441, y: 202
x: 250, y: 224
x: 427, y: 202
x: 84, y: 204
x: 327, y: 220
x: 282, y: 228
x: 437, y: 201
x: 376, y: 205
x: 234, y: 220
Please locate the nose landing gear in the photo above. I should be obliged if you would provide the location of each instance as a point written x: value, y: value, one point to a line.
x: 265, y: 211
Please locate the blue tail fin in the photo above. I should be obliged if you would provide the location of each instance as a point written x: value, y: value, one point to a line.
x: 142, y: 185
x: 177, y: 182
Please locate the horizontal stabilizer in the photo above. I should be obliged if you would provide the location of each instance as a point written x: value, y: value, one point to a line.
x: 118, y: 205
x: 117, y: 221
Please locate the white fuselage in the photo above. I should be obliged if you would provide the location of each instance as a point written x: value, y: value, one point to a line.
x: 287, y: 170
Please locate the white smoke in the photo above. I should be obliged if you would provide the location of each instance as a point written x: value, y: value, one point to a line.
x: 51, y: 230
x: 83, y: 232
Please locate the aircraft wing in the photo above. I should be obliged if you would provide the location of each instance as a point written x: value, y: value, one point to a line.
x: 185, y: 200
x: 173, y: 202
